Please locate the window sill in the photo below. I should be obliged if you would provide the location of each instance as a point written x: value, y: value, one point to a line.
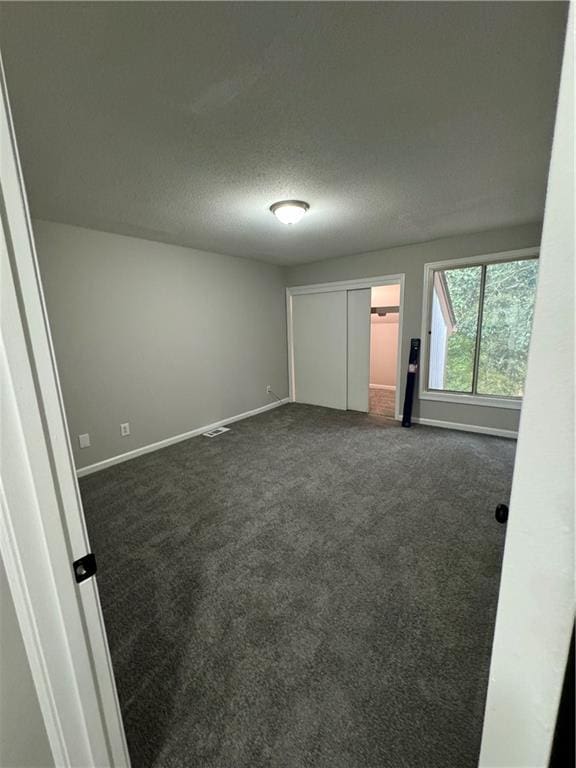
x: 512, y: 404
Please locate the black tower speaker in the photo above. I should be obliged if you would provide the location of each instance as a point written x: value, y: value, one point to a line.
x: 411, y: 382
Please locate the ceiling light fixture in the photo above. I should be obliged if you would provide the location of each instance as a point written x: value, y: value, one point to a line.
x: 289, y: 211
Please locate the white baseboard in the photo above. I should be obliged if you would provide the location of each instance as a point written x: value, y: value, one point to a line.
x: 509, y: 433
x: 90, y: 469
x: 383, y: 386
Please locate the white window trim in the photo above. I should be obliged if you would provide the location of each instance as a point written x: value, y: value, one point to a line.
x: 510, y: 403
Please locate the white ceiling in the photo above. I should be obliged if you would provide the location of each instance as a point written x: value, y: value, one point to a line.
x: 183, y: 122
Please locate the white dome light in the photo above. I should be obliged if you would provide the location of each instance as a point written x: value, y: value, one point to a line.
x: 289, y: 211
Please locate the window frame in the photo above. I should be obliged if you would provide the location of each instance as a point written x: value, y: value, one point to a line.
x: 448, y: 396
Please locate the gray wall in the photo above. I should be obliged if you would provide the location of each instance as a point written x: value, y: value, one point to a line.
x: 410, y: 260
x: 167, y: 338
x: 23, y: 739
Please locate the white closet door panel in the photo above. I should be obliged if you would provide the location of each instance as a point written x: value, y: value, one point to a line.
x: 358, y: 349
x: 319, y: 333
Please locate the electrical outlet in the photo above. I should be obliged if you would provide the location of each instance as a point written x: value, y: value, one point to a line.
x: 125, y: 429
x: 268, y: 389
x: 84, y: 440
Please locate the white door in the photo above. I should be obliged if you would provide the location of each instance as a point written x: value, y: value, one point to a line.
x: 42, y: 529
x: 359, y: 302
x: 535, y: 614
x: 319, y: 340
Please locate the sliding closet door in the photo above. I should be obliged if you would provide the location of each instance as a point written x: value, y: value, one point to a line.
x: 358, y: 349
x: 319, y: 337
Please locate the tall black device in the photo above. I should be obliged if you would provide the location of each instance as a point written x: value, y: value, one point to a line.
x: 411, y: 382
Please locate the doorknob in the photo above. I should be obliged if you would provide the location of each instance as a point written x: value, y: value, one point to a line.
x: 84, y: 567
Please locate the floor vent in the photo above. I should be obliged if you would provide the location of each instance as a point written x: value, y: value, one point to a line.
x: 215, y: 432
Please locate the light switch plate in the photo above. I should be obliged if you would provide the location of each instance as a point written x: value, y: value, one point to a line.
x: 125, y: 429
x: 84, y: 440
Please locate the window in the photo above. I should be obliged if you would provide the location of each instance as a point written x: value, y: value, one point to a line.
x: 480, y: 318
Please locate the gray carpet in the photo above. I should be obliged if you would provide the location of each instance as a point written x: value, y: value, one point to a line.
x: 312, y: 588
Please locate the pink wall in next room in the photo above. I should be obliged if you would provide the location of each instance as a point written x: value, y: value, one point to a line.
x: 384, y: 337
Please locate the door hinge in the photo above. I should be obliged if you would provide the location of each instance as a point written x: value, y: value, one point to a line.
x: 84, y: 567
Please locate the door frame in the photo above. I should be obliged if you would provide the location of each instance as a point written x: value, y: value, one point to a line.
x: 42, y: 526
x: 536, y: 599
x: 346, y: 285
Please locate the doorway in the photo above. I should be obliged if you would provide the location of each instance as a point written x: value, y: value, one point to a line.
x: 384, y: 332
x: 344, y: 344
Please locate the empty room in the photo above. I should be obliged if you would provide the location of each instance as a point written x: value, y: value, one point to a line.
x: 288, y: 384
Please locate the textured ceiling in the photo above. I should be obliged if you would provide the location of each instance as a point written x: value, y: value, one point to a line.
x: 183, y: 122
